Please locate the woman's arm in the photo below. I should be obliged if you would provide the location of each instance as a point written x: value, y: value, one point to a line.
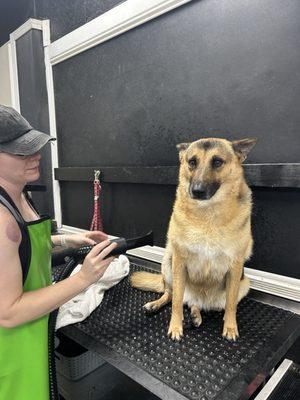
x: 78, y: 239
x: 18, y: 307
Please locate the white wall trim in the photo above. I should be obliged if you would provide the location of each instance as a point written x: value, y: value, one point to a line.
x: 13, y: 71
x: 114, y: 22
x: 52, y: 122
x: 275, y: 284
x: 278, y: 285
x: 27, y: 26
x: 44, y: 26
x: 13, y: 64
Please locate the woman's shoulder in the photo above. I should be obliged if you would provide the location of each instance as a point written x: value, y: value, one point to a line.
x: 5, y: 214
x: 10, y: 229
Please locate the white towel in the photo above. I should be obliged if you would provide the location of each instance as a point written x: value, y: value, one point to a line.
x: 81, y: 306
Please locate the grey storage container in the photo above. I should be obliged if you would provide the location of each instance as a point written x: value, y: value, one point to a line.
x: 80, y: 373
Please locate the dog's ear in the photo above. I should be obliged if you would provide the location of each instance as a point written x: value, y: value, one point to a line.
x: 181, y: 147
x: 243, y: 147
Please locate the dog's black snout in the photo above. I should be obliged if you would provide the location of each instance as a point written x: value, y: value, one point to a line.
x: 199, y: 192
x: 203, y: 191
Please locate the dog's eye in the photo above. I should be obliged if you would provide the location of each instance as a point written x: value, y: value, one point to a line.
x: 192, y: 162
x: 217, y: 162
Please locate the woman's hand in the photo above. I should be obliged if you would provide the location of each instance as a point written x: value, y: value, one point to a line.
x: 85, y: 239
x: 94, y: 264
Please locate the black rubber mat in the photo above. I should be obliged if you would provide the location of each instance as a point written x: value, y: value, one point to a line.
x: 289, y: 386
x: 203, y: 365
x: 56, y: 271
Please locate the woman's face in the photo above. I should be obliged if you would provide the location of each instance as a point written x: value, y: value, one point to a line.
x: 19, y: 170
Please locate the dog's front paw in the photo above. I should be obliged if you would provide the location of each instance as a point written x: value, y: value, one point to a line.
x: 230, y: 330
x: 175, y: 331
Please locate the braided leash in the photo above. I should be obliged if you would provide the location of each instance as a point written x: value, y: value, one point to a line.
x: 97, y: 224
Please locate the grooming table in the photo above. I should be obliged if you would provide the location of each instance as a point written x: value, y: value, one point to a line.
x: 203, y: 365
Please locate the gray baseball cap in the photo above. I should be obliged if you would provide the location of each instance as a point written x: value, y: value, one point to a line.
x: 17, y: 136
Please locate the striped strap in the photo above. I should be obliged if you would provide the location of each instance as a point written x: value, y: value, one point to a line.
x: 14, y: 212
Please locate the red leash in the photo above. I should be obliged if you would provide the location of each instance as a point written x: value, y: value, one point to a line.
x: 97, y: 224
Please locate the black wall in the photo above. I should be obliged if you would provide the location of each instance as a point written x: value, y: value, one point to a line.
x: 67, y: 15
x: 209, y: 68
x: 221, y: 68
x: 14, y: 13
x: 64, y: 15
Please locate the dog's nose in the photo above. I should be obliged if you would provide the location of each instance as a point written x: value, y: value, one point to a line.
x: 199, y: 192
x: 203, y: 191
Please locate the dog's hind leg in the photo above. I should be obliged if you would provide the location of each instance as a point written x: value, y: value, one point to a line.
x: 157, y: 304
x: 244, y: 288
x: 196, y: 315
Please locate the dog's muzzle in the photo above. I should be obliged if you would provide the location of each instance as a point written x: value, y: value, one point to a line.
x: 203, y: 191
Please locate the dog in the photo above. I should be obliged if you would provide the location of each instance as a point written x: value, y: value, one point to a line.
x: 209, y: 236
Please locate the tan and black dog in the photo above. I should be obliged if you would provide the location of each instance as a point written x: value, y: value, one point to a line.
x: 209, y: 236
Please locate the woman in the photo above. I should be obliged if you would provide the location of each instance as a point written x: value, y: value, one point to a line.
x: 26, y: 294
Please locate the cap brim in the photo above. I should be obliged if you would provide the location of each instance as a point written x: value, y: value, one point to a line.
x: 27, y: 144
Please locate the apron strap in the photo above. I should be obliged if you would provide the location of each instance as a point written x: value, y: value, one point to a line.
x: 14, y: 212
x: 25, y: 246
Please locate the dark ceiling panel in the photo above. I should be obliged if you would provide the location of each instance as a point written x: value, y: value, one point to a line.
x: 65, y: 16
x: 13, y: 13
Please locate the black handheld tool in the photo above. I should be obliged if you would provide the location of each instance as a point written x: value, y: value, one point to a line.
x: 122, y: 246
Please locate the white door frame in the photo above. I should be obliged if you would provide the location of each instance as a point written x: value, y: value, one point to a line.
x: 13, y: 63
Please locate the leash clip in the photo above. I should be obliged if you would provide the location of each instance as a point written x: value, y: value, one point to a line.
x: 97, y: 173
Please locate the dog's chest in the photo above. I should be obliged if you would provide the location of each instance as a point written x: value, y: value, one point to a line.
x: 207, y: 261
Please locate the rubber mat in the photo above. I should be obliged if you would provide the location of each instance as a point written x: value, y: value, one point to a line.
x: 203, y: 365
x: 56, y: 271
x: 289, y: 386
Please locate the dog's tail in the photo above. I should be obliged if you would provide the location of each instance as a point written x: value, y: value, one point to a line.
x: 147, y: 281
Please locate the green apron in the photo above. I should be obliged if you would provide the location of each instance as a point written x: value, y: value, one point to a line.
x: 24, y: 349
